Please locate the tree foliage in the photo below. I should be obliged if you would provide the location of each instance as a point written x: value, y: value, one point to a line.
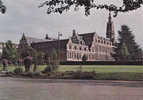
x: 24, y: 49
x: 52, y: 61
x: 2, y: 7
x: 38, y: 58
x: 9, y: 52
x: 124, y: 53
x: 84, y: 58
x: 58, y: 6
x: 126, y: 45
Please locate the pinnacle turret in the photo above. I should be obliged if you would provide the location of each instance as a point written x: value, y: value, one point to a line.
x: 110, y: 29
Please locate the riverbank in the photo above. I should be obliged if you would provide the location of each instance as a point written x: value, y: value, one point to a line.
x: 86, y: 72
x: 89, y: 68
x: 125, y: 76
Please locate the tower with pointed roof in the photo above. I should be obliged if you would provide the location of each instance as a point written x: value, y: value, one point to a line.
x: 23, y: 40
x: 110, y: 33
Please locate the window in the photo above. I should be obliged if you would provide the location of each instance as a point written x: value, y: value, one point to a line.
x: 80, y: 48
x: 70, y: 47
x: 75, y: 47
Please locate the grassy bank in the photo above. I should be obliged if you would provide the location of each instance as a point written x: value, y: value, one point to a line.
x: 98, y: 72
x: 102, y: 68
x: 91, y: 68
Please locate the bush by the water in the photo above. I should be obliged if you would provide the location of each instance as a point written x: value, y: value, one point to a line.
x: 130, y: 76
x: 32, y: 74
x: 37, y: 73
x: 50, y: 68
x: 83, y: 75
x: 72, y: 75
x: 47, y: 69
x: 18, y: 71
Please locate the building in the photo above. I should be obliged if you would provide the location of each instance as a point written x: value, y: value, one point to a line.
x: 96, y: 48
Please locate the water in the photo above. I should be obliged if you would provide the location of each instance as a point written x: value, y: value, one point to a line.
x: 33, y: 89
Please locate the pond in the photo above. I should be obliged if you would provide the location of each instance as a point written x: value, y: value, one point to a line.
x: 40, y: 89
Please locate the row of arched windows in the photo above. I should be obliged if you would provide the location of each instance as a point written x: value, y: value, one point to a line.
x: 81, y: 48
x: 100, y: 48
x: 91, y: 56
x: 74, y: 55
x: 103, y: 41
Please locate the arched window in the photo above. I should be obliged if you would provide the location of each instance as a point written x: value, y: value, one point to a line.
x: 85, y: 49
x: 75, y: 47
x: 70, y: 47
x: 80, y: 48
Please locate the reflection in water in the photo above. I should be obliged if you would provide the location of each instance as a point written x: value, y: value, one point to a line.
x: 20, y: 89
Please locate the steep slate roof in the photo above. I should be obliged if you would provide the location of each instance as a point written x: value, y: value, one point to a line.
x: 54, y: 44
x: 88, y: 38
x: 34, y: 40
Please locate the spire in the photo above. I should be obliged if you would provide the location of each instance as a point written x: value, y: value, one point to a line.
x: 47, y: 36
x: 23, y: 37
x: 74, y: 32
x: 110, y: 29
x: 110, y: 18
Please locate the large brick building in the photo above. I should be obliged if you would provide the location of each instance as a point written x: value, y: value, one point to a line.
x: 95, y: 47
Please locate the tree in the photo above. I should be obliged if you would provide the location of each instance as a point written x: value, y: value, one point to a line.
x: 24, y: 49
x: 9, y: 52
x: 84, y: 58
x: 38, y: 58
x: 124, y: 52
x: 2, y: 7
x: 27, y: 63
x: 54, y: 59
x: 126, y: 40
x: 59, y: 6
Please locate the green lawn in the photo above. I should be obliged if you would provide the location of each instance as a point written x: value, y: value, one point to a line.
x: 96, y: 68
x: 103, y: 68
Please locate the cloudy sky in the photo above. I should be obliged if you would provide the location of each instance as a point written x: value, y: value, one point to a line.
x: 25, y: 16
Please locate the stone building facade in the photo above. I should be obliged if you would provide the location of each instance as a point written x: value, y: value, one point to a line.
x: 96, y: 48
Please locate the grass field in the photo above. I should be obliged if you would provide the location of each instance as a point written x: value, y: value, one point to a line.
x: 103, y: 68
x: 96, y: 68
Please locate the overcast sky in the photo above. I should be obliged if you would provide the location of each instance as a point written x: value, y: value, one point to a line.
x: 25, y: 16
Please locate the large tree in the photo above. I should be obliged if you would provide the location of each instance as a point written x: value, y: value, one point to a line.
x: 24, y: 49
x: 58, y: 6
x: 126, y: 45
x: 9, y: 52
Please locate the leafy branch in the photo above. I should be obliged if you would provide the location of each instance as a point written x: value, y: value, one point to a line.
x: 2, y: 7
x: 59, y: 6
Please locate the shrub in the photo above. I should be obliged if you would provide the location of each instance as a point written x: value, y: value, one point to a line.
x: 47, y: 69
x: 119, y: 76
x: 18, y: 71
x: 83, y: 75
x: 37, y: 73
